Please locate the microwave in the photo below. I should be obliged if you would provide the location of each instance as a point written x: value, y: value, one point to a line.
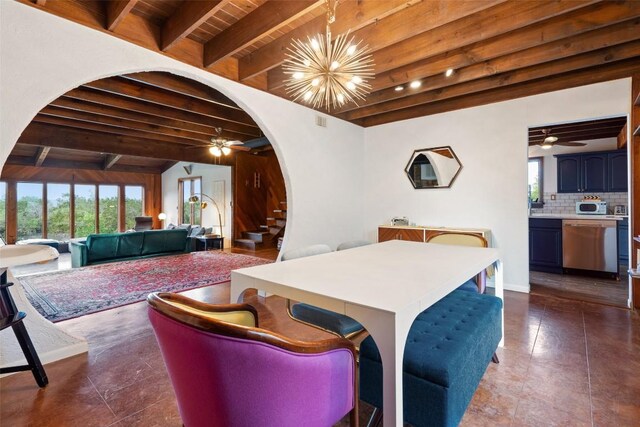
x: 593, y: 207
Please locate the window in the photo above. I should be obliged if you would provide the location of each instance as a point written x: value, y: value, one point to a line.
x: 535, y: 182
x: 85, y: 210
x: 108, y: 209
x: 133, y: 205
x: 3, y: 211
x: 190, y: 213
x: 29, y: 210
x: 58, y: 211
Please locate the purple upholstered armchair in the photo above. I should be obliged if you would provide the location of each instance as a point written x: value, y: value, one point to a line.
x: 226, y: 371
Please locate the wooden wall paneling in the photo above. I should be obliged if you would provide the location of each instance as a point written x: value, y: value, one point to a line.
x: 250, y: 201
x: 634, y: 150
x: 44, y: 211
x: 274, y: 180
x: 121, y: 208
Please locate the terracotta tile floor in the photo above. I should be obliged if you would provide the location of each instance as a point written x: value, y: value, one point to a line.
x: 563, y: 363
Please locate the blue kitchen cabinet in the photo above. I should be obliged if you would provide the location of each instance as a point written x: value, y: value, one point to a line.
x: 597, y: 172
x: 618, y: 171
x: 545, y: 245
x: 623, y: 241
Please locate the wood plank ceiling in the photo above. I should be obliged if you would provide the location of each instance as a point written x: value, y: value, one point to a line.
x: 497, y: 49
x: 142, y: 122
x: 579, y: 131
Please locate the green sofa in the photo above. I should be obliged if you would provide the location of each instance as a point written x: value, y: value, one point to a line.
x: 103, y: 248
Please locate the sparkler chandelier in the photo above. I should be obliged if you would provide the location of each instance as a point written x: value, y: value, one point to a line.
x: 326, y: 74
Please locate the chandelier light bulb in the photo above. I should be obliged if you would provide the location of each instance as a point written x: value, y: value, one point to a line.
x: 340, y: 98
x: 315, y: 82
x: 351, y: 49
x: 314, y: 44
x: 334, y: 65
x: 308, y: 95
x: 298, y: 75
x: 226, y: 151
x: 356, y: 79
x: 306, y: 62
x: 351, y: 85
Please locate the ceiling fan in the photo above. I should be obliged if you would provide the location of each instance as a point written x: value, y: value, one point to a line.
x: 549, y: 141
x: 220, y: 145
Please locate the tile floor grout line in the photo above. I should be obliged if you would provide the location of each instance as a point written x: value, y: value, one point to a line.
x: 102, y: 398
x: 529, y: 365
x: 586, y: 351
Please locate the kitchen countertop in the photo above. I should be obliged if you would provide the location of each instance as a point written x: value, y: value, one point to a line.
x: 577, y: 216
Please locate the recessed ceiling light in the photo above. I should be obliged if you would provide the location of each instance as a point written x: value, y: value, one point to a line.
x: 399, y: 88
x: 449, y: 72
x: 415, y: 84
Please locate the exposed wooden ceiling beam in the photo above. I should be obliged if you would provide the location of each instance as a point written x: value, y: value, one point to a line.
x: 578, y: 136
x: 152, y: 129
x: 150, y: 94
x: 156, y: 110
x: 351, y: 15
x: 574, y: 23
x: 110, y: 160
x: 128, y: 116
x: 84, y: 125
x: 60, y: 137
x: 562, y: 81
x: 40, y: 2
x: 486, y: 23
x: 182, y: 86
x: 41, y: 154
x: 492, y: 71
x: 117, y: 10
x: 266, y: 19
x: 611, y: 123
x: 553, y: 47
x: 76, y: 164
x: 189, y: 16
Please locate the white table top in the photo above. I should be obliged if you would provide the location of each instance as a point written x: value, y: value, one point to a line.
x: 381, y: 276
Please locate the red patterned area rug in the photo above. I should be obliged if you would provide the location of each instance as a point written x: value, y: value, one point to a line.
x: 72, y: 293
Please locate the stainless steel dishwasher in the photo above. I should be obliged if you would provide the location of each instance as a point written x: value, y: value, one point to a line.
x: 590, y: 244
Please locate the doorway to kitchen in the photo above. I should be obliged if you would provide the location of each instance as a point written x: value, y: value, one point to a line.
x: 578, y: 210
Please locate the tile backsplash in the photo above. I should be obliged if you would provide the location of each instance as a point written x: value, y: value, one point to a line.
x: 565, y: 203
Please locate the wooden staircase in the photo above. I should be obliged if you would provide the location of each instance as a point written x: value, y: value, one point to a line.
x: 268, y: 234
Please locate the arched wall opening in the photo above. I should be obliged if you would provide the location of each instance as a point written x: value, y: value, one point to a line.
x: 45, y: 56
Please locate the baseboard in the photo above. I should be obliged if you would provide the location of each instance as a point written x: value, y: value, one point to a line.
x: 54, y: 355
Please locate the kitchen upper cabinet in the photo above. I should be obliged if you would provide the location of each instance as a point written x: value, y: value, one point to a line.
x: 618, y: 171
x: 597, y: 172
x: 569, y: 174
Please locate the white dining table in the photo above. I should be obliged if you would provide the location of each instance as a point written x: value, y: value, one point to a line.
x: 384, y: 286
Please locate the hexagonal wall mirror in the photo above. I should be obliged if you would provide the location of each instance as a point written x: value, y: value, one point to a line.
x: 433, y: 168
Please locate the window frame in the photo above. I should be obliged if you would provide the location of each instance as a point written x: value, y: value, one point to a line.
x: 540, y: 160
x: 192, y: 206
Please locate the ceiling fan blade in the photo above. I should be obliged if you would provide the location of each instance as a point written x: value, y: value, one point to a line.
x: 239, y: 148
x: 571, y: 144
x: 229, y: 143
x: 196, y: 146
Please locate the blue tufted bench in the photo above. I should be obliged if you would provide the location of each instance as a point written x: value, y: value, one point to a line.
x: 448, y: 349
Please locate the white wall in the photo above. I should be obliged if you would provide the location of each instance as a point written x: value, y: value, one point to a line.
x: 491, y: 142
x: 550, y: 164
x: 208, y: 173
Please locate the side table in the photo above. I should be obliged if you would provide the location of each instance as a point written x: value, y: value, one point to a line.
x: 205, y: 243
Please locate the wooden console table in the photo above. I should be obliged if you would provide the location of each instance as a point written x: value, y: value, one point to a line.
x: 420, y: 233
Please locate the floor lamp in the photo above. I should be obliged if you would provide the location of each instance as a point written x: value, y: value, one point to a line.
x: 203, y: 205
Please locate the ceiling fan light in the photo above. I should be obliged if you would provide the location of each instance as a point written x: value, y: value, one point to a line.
x: 226, y: 151
x: 551, y: 139
x: 215, y: 151
x: 546, y: 145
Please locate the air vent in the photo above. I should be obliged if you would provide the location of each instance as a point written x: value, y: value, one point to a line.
x: 321, y: 121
